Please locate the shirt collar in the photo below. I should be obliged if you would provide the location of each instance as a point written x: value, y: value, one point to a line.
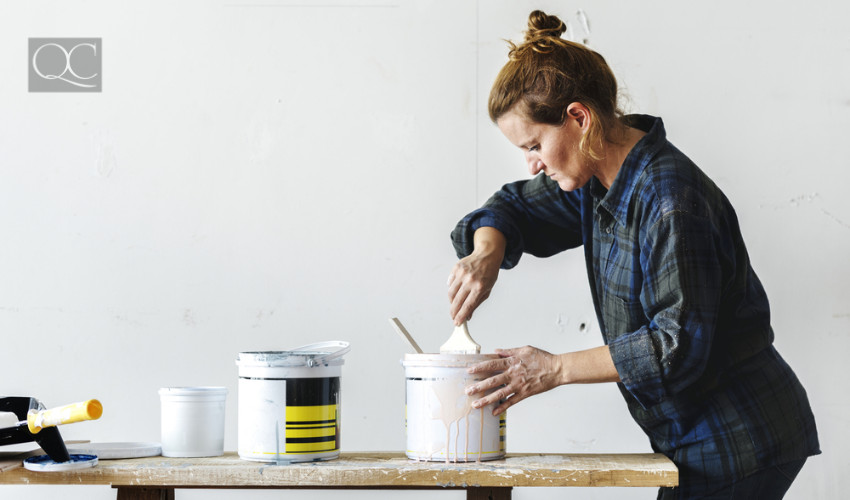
x: 616, y: 199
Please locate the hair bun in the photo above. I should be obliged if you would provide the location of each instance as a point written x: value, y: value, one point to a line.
x: 542, y: 25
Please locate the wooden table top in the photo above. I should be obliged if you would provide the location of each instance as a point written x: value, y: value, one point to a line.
x: 363, y: 470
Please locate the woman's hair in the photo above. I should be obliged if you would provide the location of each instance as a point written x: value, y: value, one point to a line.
x: 545, y: 73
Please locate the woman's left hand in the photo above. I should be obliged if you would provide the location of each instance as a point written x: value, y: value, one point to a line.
x: 525, y: 371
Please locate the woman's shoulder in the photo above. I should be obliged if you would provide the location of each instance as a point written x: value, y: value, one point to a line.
x: 672, y: 182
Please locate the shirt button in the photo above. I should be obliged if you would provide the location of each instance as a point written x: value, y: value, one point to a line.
x: 608, y: 230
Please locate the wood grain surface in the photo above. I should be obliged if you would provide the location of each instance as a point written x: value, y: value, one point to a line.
x: 366, y: 470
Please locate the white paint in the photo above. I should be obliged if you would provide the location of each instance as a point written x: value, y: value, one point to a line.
x: 441, y: 424
x: 288, y: 174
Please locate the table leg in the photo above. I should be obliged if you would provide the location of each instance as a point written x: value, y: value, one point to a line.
x: 488, y: 493
x: 139, y: 493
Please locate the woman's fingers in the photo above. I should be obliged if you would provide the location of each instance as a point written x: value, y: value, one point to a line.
x: 469, y: 284
x: 457, y: 298
x: 462, y: 291
x: 492, y: 365
x: 487, y: 384
x: 519, y: 373
x: 465, y: 301
x: 501, y: 384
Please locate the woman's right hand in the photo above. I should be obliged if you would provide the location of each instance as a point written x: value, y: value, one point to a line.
x: 473, y: 277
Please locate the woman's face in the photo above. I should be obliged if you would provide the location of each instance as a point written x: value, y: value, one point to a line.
x: 551, y: 149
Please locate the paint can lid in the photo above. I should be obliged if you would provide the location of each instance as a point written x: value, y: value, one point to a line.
x: 112, y: 451
x: 193, y: 393
x: 43, y: 463
x: 318, y: 354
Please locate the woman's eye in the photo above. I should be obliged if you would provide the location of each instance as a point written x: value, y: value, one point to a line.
x: 534, y: 149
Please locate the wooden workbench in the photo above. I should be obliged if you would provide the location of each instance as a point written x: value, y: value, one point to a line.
x: 155, y: 478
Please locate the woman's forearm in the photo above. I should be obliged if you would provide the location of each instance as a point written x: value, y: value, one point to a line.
x: 489, y: 241
x: 590, y: 366
x: 526, y: 371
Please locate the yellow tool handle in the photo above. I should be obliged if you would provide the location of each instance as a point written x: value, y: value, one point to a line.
x: 68, y: 414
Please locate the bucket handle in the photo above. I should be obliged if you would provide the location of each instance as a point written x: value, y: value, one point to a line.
x: 343, y: 348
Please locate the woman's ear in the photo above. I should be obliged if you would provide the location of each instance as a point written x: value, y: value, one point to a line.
x: 580, y: 113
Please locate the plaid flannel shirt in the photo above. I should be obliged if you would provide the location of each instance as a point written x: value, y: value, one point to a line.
x: 684, y: 314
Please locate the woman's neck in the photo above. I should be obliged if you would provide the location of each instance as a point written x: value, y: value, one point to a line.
x: 615, y: 154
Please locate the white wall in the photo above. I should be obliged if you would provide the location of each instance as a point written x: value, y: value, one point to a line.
x: 258, y: 175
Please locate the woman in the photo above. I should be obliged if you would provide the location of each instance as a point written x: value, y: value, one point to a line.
x: 685, y: 321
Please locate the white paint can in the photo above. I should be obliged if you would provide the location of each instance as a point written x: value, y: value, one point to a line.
x: 440, y: 422
x: 192, y: 421
x: 289, y: 403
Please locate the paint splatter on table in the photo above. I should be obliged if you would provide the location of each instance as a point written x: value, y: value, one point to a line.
x: 364, y: 470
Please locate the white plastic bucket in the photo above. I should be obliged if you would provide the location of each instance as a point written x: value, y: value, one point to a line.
x: 192, y: 421
x: 289, y: 403
x: 440, y: 422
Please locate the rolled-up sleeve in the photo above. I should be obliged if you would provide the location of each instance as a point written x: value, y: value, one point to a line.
x: 535, y: 216
x: 681, y: 298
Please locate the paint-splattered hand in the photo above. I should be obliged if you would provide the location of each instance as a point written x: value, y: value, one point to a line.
x: 473, y: 277
x: 519, y: 373
x: 470, y: 283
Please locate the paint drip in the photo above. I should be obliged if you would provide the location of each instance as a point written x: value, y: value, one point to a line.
x: 440, y: 421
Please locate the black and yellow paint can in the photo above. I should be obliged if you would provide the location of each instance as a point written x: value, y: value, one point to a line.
x: 289, y: 403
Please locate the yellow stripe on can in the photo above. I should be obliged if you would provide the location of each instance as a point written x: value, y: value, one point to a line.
x: 310, y: 447
x: 308, y: 433
x: 304, y: 415
x: 311, y: 429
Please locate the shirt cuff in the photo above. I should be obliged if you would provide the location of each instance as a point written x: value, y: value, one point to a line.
x: 462, y: 236
x: 637, y: 362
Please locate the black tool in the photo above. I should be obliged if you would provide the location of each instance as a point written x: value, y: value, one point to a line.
x: 48, y: 438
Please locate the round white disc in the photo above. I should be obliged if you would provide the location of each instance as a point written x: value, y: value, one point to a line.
x: 43, y: 463
x: 111, y: 451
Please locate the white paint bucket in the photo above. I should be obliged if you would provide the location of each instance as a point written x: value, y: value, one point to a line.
x: 440, y: 421
x: 289, y: 403
x: 192, y: 421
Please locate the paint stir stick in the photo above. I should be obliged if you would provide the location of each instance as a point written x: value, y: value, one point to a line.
x: 402, y: 331
x: 460, y: 342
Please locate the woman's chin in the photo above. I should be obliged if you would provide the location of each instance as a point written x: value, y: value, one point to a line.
x: 567, y: 184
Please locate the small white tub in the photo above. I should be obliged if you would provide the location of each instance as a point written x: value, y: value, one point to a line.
x: 192, y: 421
x: 440, y: 422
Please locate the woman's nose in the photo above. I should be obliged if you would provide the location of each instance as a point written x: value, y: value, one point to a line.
x: 534, y: 163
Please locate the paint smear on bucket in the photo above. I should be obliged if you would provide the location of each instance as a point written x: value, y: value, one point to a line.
x: 440, y: 421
